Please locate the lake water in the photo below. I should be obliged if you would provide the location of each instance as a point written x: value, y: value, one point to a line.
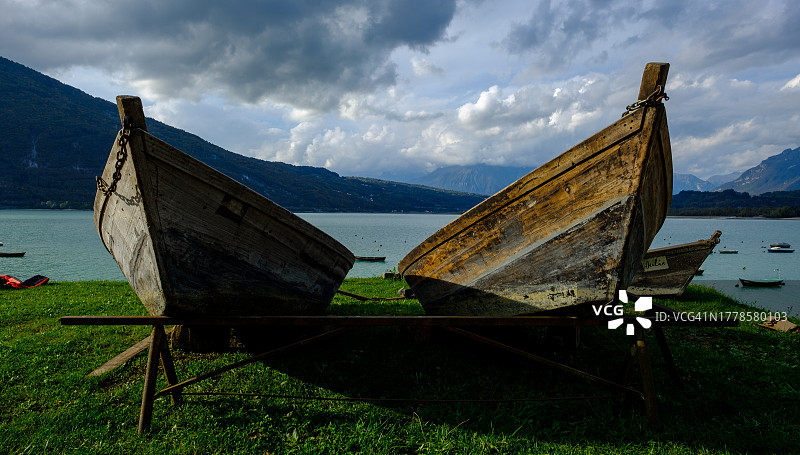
x: 64, y: 246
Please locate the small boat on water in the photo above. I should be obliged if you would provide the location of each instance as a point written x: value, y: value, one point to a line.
x: 769, y: 283
x: 192, y: 241
x: 12, y: 255
x: 371, y: 258
x: 571, y: 232
x: 667, y: 271
x: 699, y: 272
x: 780, y: 245
x: 780, y: 249
x: 728, y: 251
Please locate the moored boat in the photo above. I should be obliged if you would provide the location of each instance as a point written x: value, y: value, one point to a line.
x: 728, y: 251
x: 780, y: 245
x: 192, y: 241
x: 780, y: 249
x: 667, y: 271
x: 768, y: 283
x: 12, y: 255
x: 571, y: 232
x: 371, y: 258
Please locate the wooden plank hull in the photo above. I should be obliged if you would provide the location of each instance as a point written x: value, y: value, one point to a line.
x: 573, y: 231
x: 667, y: 271
x: 192, y: 241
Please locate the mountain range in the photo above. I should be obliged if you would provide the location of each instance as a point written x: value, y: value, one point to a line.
x: 779, y: 172
x: 54, y: 140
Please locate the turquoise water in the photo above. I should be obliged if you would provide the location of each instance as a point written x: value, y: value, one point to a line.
x: 64, y: 246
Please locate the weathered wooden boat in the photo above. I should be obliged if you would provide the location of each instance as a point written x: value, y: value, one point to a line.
x: 667, y: 271
x: 192, y: 241
x: 768, y: 283
x: 12, y: 255
x: 371, y: 258
x: 571, y: 232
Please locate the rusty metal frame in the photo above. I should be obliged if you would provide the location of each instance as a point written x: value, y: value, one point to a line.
x: 159, y: 352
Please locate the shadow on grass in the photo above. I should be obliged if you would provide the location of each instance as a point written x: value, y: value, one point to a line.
x: 735, y: 395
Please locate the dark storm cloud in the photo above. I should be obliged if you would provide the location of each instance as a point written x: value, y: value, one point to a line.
x: 721, y: 35
x: 303, y: 53
x: 557, y: 33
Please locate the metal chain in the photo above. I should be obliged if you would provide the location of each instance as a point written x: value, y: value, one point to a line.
x: 122, y: 155
x: 654, y: 98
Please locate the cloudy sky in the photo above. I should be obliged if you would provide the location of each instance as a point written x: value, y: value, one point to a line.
x: 388, y: 89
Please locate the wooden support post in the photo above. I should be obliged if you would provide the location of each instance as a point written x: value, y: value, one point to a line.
x: 169, y: 371
x: 667, y: 354
x: 627, y: 373
x: 151, y: 375
x: 648, y: 384
x: 120, y: 359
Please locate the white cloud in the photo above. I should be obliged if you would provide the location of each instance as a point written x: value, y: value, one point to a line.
x: 422, y: 67
x: 792, y: 84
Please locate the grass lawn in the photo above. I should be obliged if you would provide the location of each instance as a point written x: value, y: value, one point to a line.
x: 741, y: 394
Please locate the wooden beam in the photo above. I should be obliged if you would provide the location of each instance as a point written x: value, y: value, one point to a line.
x: 340, y: 321
x: 123, y: 357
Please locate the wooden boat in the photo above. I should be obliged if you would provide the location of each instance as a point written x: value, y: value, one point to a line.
x: 12, y: 255
x: 780, y: 325
x: 667, y: 271
x: 192, y: 241
x: 769, y: 283
x: 371, y: 258
x: 571, y: 232
x: 779, y: 249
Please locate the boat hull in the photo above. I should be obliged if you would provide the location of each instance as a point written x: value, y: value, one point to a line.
x: 573, y: 231
x: 761, y: 283
x: 667, y: 271
x: 192, y: 241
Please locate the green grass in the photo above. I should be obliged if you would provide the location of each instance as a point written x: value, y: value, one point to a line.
x: 741, y: 394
